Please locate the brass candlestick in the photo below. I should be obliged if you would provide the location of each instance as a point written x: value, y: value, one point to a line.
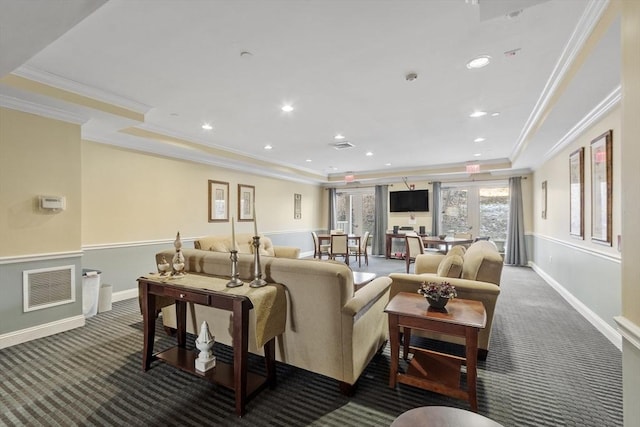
x: 235, y: 281
x: 257, y: 281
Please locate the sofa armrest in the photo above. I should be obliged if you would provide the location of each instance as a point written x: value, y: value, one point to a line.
x: 427, y: 263
x: 286, y: 252
x: 366, y: 296
x: 403, y: 282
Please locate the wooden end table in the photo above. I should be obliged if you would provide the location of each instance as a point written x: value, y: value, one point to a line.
x: 232, y: 376
x: 361, y: 278
x: 428, y: 369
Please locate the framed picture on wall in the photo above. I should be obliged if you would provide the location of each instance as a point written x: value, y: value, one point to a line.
x: 544, y: 200
x: 576, y: 193
x: 218, y: 201
x: 601, y: 188
x: 246, y: 202
x: 297, y: 206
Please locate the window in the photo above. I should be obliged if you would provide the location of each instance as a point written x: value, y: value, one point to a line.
x: 479, y: 208
x: 355, y: 210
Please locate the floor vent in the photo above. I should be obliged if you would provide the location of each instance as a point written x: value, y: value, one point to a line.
x: 48, y: 287
x: 342, y: 145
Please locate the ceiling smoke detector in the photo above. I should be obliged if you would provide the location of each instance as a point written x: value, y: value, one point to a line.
x: 411, y: 77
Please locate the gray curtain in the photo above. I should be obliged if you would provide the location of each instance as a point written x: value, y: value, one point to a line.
x: 516, y: 253
x: 380, y: 220
x: 435, y: 218
x: 332, y: 209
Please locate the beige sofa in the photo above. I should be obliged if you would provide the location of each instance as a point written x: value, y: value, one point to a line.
x: 330, y: 329
x: 244, y: 245
x: 475, y: 273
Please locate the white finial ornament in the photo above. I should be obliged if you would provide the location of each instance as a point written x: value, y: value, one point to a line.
x: 204, y: 343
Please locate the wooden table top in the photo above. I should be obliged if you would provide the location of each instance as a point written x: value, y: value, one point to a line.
x: 458, y: 311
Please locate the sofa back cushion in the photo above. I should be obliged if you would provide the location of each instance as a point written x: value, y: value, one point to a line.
x: 482, y: 262
x: 450, y: 266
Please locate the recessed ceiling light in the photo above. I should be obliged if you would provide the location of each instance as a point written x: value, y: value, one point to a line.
x: 339, y: 136
x: 478, y: 114
x: 369, y: 153
x: 477, y: 155
x: 287, y: 108
x: 308, y: 160
x: 207, y: 126
x: 268, y: 147
x: 387, y: 164
x: 478, y: 139
x: 479, y: 62
x: 496, y: 114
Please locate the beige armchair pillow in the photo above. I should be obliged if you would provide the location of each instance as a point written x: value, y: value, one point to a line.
x: 450, y: 266
x: 457, y: 250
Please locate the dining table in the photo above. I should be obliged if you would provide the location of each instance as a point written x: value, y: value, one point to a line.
x: 448, y: 242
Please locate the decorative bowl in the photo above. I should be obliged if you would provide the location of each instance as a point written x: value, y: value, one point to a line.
x: 442, y: 236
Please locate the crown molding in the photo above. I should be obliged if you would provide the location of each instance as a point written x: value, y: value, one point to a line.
x: 45, y: 77
x: 600, y: 110
x: 42, y: 110
x: 588, y: 21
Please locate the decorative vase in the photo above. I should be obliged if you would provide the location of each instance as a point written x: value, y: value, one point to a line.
x: 439, y: 303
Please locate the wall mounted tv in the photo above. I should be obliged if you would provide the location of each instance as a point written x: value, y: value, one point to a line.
x: 409, y: 201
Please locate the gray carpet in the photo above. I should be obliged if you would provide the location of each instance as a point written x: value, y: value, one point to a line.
x: 547, y: 366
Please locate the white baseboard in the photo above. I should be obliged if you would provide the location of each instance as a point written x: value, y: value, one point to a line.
x: 605, y: 329
x: 41, y: 331
x: 123, y: 295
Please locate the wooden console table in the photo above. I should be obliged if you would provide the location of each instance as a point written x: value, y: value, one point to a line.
x: 428, y: 369
x: 212, y: 292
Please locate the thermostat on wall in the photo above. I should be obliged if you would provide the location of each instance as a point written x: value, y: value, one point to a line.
x: 56, y: 203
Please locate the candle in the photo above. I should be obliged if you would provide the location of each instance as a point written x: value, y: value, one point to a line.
x: 233, y: 235
x: 255, y: 222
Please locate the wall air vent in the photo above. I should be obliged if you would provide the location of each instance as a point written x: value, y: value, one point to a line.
x: 48, y: 287
x: 343, y: 145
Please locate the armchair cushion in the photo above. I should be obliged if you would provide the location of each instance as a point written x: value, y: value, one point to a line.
x: 450, y: 266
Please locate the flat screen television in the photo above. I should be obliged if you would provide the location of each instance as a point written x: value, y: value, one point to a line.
x: 409, y: 201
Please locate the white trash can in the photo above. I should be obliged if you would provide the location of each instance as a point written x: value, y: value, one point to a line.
x: 104, y: 301
x: 90, y: 291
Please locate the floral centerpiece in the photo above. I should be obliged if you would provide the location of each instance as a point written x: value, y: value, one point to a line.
x: 437, y: 294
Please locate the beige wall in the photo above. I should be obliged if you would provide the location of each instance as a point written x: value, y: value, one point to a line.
x: 131, y: 197
x: 556, y: 172
x: 631, y: 206
x: 38, y: 156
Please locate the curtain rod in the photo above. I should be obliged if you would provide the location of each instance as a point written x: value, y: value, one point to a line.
x: 346, y: 187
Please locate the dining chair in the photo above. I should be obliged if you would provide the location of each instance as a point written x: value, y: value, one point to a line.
x: 339, y: 247
x: 413, y: 248
x: 318, y: 249
x: 361, y: 249
x: 463, y: 235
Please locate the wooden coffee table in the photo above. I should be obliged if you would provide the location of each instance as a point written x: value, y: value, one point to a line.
x: 428, y: 369
x: 361, y: 278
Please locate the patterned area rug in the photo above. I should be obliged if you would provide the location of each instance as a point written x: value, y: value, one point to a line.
x: 547, y: 366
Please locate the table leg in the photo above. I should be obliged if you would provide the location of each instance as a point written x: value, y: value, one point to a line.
x: 472, y: 363
x: 240, y: 352
x: 270, y: 362
x: 181, y: 323
x: 406, y: 342
x: 394, y: 341
x: 149, y: 323
x: 387, y: 252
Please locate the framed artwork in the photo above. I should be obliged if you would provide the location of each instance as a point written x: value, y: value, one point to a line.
x: 297, y: 206
x: 576, y: 193
x: 218, y: 201
x: 601, y: 188
x: 246, y: 202
x: 544, y: 199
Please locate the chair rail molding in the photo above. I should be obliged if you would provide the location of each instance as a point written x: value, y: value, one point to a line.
x: 629, y: 330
